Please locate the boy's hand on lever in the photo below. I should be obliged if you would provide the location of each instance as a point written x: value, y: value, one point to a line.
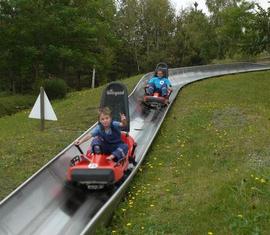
x: 85, y: 138
x: 110, y: 158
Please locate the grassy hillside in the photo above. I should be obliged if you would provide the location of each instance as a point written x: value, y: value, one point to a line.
x: 24, y: 149
x: 208, y: 169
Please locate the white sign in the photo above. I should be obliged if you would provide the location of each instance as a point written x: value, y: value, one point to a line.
x: 49, y: 114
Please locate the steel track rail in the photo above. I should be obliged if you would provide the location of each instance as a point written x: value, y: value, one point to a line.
x: 43, y: 205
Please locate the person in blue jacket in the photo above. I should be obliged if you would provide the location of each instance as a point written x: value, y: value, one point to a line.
x: 159, y: 83
x: 107, y: 136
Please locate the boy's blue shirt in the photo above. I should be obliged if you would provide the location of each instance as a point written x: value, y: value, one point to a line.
x: 159, y: 81
x: 97, y: 130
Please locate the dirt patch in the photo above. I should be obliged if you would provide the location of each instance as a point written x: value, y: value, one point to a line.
x: 260, y: 159
x: 229, y: 117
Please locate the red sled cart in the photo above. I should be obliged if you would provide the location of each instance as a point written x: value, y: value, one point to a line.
x: 94, y: 171
x: 156, y: 101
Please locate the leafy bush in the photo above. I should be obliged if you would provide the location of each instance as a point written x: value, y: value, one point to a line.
x: 55, y: 88
x: 14, y: 103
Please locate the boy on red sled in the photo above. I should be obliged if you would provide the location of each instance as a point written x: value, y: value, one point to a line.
x: 107, y: 136
x: 158, y: 83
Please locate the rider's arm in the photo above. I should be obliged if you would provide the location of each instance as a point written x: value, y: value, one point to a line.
x: 168, y: 83
x: 84, y: 139
x: 93, y: 133
x: 122, y: 123
x: 152, y: 80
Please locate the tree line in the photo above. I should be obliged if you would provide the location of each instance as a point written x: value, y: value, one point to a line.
x: 48, y: 39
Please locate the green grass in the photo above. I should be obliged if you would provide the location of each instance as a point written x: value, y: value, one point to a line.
x: 24, y: 148
x: 208, y: 169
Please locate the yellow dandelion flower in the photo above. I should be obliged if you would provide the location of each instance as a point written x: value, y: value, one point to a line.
x: 128, y: 224
x: 262, y: 180
x: 210, y: 233
x: 142, y: 228
x: 123, y: 209
x: 251, y: 176
x: 114, y: 231
x: 256, y: 178
x: 152, y: 205
x: 240, y: 216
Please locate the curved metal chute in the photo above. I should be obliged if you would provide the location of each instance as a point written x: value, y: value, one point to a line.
x: 43, y: 205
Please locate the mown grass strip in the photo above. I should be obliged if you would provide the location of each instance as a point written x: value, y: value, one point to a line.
x: 24, y: 148
x: 208, y: 169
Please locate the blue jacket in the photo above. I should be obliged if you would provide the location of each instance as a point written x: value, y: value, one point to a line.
x: 158, y: 82
x: 112, y: 136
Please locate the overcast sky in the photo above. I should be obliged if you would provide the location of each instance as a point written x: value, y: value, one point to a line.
x: 179, y: 4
